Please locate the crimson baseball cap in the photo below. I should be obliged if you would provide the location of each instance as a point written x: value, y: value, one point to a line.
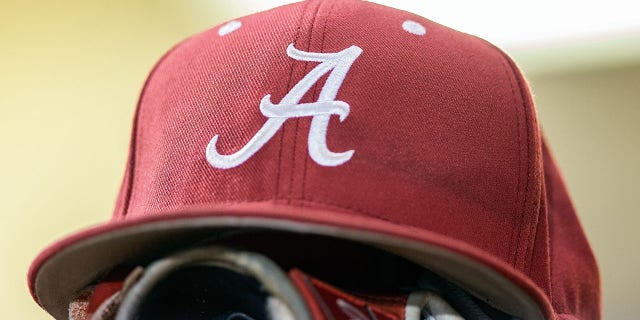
x: 352, y: 120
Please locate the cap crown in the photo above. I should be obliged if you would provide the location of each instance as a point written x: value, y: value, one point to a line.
x: 353, y: 106
x: 442, y: 134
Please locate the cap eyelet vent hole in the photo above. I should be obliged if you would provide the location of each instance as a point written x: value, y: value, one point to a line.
x: 229, y: 27
x: 414, y: 28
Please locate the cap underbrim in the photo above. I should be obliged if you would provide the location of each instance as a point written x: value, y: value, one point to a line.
x: 65, y: 268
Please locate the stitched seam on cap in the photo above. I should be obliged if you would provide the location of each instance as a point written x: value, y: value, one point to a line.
x: 315, y: 96
x: 520, y: 214
x: 352, y: 209
x: 534, y: 239
x: 293, y: 161
x: 550, y: 204
x: 355, y: 209
x: 529, y: 169
x: 533, y: 228
x: 278, y: 168
x: 295, y: 134
x: 514, y: 230
x: 134, y: 134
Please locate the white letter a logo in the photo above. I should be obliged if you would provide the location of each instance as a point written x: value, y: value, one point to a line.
x: 338, y: 64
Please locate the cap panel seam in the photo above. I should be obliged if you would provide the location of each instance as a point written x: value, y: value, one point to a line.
x: 515, y: 231
x: 549, y: 189
x: 295, y: 134
x: 293, y: 160
x: 531, y: 235
x: 315, y: 96
x: 325, y: 203
x: 522, y: 212
x: 532, y: 246
x: 134, y: 132
x: 282, y: 129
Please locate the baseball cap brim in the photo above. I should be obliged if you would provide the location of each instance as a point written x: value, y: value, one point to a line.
x: 65, y: 268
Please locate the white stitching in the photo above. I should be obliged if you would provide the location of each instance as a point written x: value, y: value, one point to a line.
x: 337, y: 64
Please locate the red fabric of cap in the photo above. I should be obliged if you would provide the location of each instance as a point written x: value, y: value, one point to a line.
x: 442, y: 127
x: 328, y: 302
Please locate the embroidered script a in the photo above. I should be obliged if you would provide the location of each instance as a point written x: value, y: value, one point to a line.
x: 338, y: 64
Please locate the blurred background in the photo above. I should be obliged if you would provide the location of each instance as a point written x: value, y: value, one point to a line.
x: 71, y: 71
